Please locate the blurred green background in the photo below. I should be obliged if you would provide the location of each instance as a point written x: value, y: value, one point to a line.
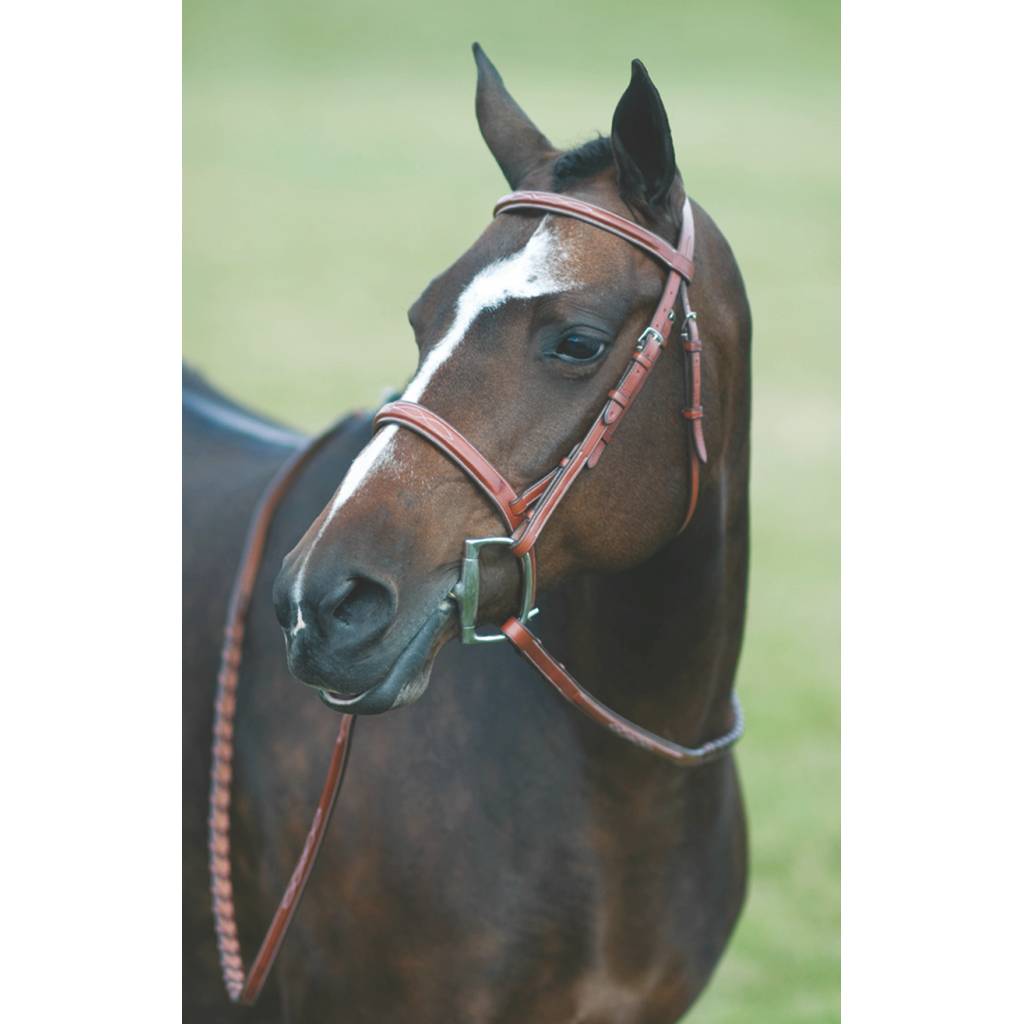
x: 333, y: 166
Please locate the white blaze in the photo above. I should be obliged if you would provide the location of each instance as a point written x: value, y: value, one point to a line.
x: 541, y: 267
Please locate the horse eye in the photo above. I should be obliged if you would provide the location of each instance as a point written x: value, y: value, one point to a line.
x: 578, y: 348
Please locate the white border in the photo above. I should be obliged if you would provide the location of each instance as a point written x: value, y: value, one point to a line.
x: 91, y: 325
x: 932, y: 851
x: 932, y: 559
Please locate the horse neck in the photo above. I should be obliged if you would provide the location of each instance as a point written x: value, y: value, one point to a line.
x: 660, y: 642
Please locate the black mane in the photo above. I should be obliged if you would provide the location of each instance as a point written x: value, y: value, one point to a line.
x: 582, y: 162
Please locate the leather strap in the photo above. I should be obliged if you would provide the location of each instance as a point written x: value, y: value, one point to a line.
x: 443, y: 436
x: 463, y: 453
x: 245, y: 987
x: 694, y: 412
x: 679, y: 259
x: 530, y: 647
x: 646, y: 353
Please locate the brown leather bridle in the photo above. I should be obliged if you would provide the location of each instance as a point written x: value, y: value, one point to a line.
x: 525, y: 515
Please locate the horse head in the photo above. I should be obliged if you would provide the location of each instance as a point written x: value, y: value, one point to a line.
x: 520, y: 342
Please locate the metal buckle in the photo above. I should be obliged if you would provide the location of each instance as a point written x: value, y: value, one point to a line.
x: 649, y: 332
x: 467, y: 591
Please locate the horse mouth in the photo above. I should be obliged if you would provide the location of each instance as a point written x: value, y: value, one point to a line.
x: 409, y: 675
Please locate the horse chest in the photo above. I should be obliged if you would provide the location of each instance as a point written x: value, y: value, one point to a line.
x: 455, y: 898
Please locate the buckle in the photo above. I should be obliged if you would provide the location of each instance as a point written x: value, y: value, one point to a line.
x: 649, y: 332
x: 467, y: 591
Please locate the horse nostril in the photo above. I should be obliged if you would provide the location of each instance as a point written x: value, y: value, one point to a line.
x: 348, y: 606
x: 360, y: 608
x: 333, y: 601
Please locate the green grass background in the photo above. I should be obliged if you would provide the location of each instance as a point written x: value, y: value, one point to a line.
x: 333, y: 166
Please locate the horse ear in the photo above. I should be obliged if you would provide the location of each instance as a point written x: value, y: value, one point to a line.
x: 642, y: 143
x: 513, y: 139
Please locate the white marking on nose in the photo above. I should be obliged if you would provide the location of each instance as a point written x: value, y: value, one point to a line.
x: 353, y: 479
x: 541, y: 267
x: 300, y: 623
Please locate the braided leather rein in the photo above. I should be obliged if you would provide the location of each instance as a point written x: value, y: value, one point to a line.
x: 524, y: 514
x: 245, y: 987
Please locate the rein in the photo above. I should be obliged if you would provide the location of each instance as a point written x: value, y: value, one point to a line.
x: 245, y: 987
x: 525, y: 516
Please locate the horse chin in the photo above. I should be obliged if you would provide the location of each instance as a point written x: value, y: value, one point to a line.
x: 409, y: 676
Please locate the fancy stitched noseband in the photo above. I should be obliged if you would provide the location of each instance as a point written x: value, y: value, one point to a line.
x: 525, y: 516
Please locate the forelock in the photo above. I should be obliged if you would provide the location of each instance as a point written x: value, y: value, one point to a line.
x: 583, y: 162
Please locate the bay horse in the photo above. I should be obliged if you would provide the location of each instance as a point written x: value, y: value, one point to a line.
x: 495, y: 857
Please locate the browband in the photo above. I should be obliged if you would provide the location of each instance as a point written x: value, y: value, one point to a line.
x: 680, y: 260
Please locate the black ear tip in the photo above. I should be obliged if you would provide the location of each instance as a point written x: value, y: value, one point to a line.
x: 641, y: 76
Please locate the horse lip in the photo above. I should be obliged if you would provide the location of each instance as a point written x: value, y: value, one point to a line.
x: 382, y: 695
x: 333, y: 699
